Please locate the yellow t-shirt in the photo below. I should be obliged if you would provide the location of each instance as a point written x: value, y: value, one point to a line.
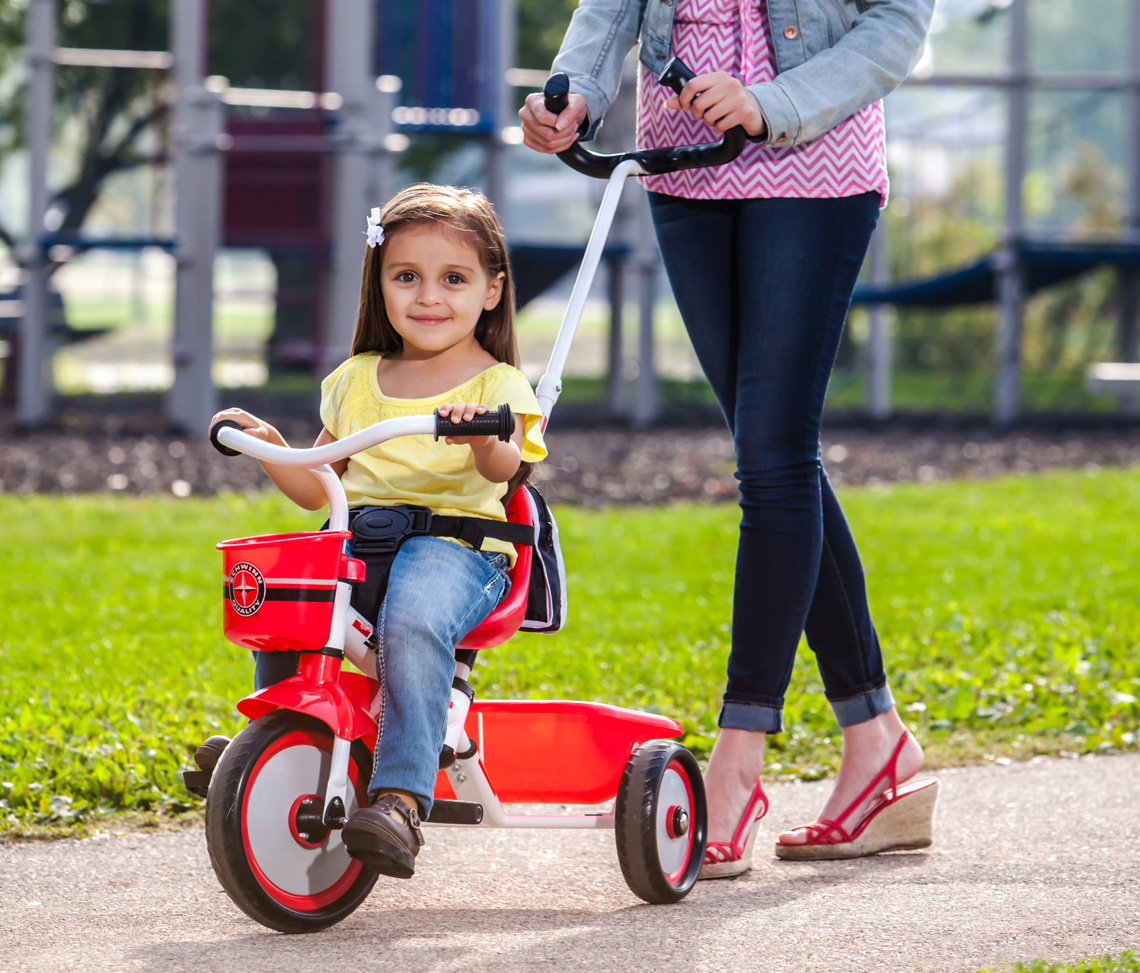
x: 418, y: 470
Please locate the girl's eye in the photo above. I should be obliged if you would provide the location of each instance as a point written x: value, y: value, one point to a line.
x: 405, y: 276
x: 454, y: 279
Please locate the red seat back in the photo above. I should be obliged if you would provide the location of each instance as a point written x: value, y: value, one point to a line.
x: 505, y: 620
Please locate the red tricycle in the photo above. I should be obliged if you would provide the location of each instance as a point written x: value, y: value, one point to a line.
x: 285, y: 786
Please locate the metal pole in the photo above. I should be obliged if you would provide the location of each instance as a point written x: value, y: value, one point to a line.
x: 499, y: 55
x: 34, y: 379
x: 362, y: 179
x: 1007, y: 390
x: 1128, y: 333
x: 613, y: 351
x: 198, y: 121
x: 879, y: 339
x: 647, y: 260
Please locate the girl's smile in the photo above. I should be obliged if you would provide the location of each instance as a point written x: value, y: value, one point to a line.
x: 435, y: 290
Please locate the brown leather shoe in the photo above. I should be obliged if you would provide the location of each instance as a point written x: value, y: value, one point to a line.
x: 385, y: 837
x: 206, y: 757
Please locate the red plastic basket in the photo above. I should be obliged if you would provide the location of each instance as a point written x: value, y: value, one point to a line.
x: 279, y: 589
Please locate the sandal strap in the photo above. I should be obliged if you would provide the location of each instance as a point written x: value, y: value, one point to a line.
x: 724, y: 850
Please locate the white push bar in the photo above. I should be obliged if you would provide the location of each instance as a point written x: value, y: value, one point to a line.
x: 550, y: 385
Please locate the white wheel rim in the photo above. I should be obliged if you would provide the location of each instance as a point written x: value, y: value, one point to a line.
x: 672, y: 852
x: 293, y: 867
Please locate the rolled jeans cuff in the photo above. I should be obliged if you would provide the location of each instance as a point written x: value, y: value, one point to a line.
x: 864, y: 707
x: 751, y: 716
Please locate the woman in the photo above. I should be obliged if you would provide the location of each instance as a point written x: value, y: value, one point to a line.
x: 763, y: 255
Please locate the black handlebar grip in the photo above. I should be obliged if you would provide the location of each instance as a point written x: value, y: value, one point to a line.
x: 215, y: 429
x: 500, y: 423
x: 676, y: 75
x: 556, y: 93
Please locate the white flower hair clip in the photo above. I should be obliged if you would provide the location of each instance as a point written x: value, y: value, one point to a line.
x: 374, y: 232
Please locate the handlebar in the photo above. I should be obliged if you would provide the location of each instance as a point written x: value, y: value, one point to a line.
x: 229, y: 439
x: 653, y: 162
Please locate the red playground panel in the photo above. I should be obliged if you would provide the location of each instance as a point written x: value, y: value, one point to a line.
x: 554, y: 751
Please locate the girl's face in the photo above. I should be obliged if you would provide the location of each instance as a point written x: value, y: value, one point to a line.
x: 435, y: 289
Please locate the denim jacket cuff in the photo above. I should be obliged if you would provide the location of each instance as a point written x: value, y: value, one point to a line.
x: 596, y: 105
x: 781, y: 120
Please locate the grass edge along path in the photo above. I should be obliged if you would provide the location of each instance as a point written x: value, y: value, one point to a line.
x: 1007, y: 610
x: 1128, y: 962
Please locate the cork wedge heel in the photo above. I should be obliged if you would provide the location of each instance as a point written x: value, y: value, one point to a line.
x: 902, y: 819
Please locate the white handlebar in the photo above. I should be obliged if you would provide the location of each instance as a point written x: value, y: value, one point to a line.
x: 317, y: 458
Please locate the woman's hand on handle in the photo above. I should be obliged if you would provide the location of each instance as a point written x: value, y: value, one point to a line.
x: 721, y: 102
x: 544, y: 131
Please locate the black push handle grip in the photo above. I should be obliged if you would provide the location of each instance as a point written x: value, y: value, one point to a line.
x: 556, y: 93
x: 499, y: 423
x: 653, y: 162
x: 218, y: 427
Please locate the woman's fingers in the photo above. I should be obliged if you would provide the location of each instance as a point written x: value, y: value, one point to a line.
x: 544, y: 131
x: 720, y: 101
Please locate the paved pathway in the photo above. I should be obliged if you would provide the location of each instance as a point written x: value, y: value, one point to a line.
x: 1036, y: 859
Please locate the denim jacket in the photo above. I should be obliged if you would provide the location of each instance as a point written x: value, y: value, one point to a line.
x: 833, y: 57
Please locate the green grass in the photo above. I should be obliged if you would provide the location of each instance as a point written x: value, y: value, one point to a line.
x: 1008, y: 611
x: 1129, y: 962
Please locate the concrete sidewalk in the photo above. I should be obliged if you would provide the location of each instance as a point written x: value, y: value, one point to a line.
x: 1030, y: 860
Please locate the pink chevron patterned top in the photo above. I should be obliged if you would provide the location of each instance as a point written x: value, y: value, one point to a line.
x: 732, y: 36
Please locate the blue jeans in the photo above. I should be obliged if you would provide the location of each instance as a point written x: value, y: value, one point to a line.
x: 437, y: 592
x: 764, y: 286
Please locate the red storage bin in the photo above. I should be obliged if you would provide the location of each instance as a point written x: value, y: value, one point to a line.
x: 279, y: 589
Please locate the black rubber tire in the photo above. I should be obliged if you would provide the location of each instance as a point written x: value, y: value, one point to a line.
x: 230, y: 848
x: 655, y: 774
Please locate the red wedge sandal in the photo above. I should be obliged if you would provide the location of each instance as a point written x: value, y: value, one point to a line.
x: 725, y: 859
x: 902, y: 819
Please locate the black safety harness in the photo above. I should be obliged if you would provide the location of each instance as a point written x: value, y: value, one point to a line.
x: 379, y: 532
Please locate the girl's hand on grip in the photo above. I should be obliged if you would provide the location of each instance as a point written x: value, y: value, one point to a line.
x: 461, y: 412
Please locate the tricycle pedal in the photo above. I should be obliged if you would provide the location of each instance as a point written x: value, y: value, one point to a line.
x: 455, y: 812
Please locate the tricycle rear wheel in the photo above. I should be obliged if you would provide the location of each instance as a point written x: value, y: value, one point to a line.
x: 263, y: 831
x: 660, y: 821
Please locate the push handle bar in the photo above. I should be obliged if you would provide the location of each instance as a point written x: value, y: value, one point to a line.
x: 500, y: 423
x: 653, y: 162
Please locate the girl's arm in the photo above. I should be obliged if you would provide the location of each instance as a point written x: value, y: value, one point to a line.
x: 298, y: 485
x: 494, y: 460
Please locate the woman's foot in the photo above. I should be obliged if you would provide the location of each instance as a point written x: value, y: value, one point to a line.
x: 731, y: 781
x: 867, y: 749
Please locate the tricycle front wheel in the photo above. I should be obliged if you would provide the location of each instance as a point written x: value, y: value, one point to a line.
x: 660, y: 821
x: 271, y: 853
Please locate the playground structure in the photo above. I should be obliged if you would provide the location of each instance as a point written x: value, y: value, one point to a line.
x: 343, y: 137
x: 355, y: 127
x: 1023, y: 262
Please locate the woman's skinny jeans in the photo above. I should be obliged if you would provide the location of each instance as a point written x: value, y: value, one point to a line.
x: 764, y: 286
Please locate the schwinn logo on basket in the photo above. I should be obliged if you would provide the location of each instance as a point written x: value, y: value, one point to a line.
x: 247, y: 588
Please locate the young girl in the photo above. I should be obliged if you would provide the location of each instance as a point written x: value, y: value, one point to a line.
x: 435, y: 329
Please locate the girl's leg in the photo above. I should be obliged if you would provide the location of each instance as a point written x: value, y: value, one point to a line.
x: 437, y: 592
x: 270, y: 668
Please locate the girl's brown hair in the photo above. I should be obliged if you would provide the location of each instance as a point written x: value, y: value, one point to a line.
x: 470, y: 216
